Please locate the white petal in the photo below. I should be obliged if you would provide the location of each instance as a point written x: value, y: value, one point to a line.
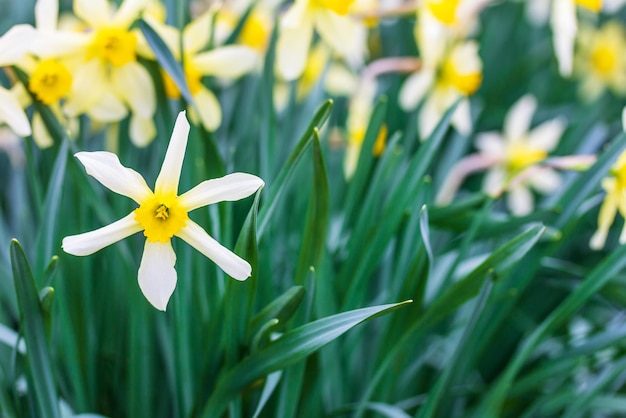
x: 90, y: 242
x: 58, y: 44
x: 142, y: 130
x: 493, y: 183
x: 520, y: 200
x: 16, y: 42
x: 88, y: 86
x: 46, y: 14
x: 231, y: 263
x: 292, y: 48
x: 209, y: 110
x: 462, y: 118
x: 128, y: 12
x: 342, y: 34
x: 96, y: 13
x: 547, y: 135
x: 157, y: 277
x: 429, y: 116
x: 133, y: 83
x: 545, y: 180
x: 624, y: 119
x: 106, y: 168
x: 519, y: 117
x: 340, y: 81
x: 229, y: 188
x: 564, y: 27
x: 491, y: 143
x: 415, y: 88
x: 226, y: 62
x: 12, y: 113
x: 167, y: 181
x: 198, y: 32
x: 110, y: 108
x: 41, y: 136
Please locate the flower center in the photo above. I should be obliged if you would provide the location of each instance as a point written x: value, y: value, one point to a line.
x: 444, y: 10
x: 192, y: 76
x: 520, y: 155
x: 114, y: 45
x: 594, y: 5
x: 604, y: 59
x: 161, y: 217
x: 50, y: 81
x: 340, y: 7
x: 255, y: 32
x: 466, y: 83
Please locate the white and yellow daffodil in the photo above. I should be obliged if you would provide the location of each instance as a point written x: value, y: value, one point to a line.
x: 359, y: 114
x: 50, y: 80
x: 600, y: 62
x: 228, y: 62
x: 614, y: 201
x: 343, y: 34
x: 256, y: 30
x: 107, y: 79
x: 163, y: 214
x: 564, y: 23
x: 457, y: 75
x: 515, y: 155
x: 14, y: 44
x: 441, y: 23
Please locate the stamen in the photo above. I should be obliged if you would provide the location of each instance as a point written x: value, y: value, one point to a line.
x: 162, y: 212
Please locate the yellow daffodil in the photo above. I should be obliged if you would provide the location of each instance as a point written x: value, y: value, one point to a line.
x: 330, y: 19
x: 600, y: 61
x: 441, y: 23
x: 440, y: 84
x: 14, y: 44
x: 228, y: 62
x: 614, y: 201
x: 256, y: 30
x: 107, y: 80
x: 518, y: 149
x: 163, y: 214
x: 563, y: 21
x: 359, y: 114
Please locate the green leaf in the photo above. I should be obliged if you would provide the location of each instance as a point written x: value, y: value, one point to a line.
x: 278, y: 187
x: 281, y: 308
x: 41, y: 379
x: 437, y: 397
x: 316, y: 226
x: 458, y: 294
x: 594, y: 281
x: 292, y: 347
x: 166, y: 59
x: 240, y: 295
x: 369, y: 238
x: 47, y: 238
x: 270, y: 385
x: 366, y: 158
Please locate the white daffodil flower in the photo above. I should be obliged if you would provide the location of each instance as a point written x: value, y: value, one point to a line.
x: 564, y: 25
x: 14, y: 44
x: 442, y: 22
x: 227, y: 62
x: 515, y: 155
x: 107, y: 80
x: 359, y: 114
x: 163, y: 214
x: 614, y: 202
x: 600, y: 62
x: 439, y: 85
x: 330, y: 19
